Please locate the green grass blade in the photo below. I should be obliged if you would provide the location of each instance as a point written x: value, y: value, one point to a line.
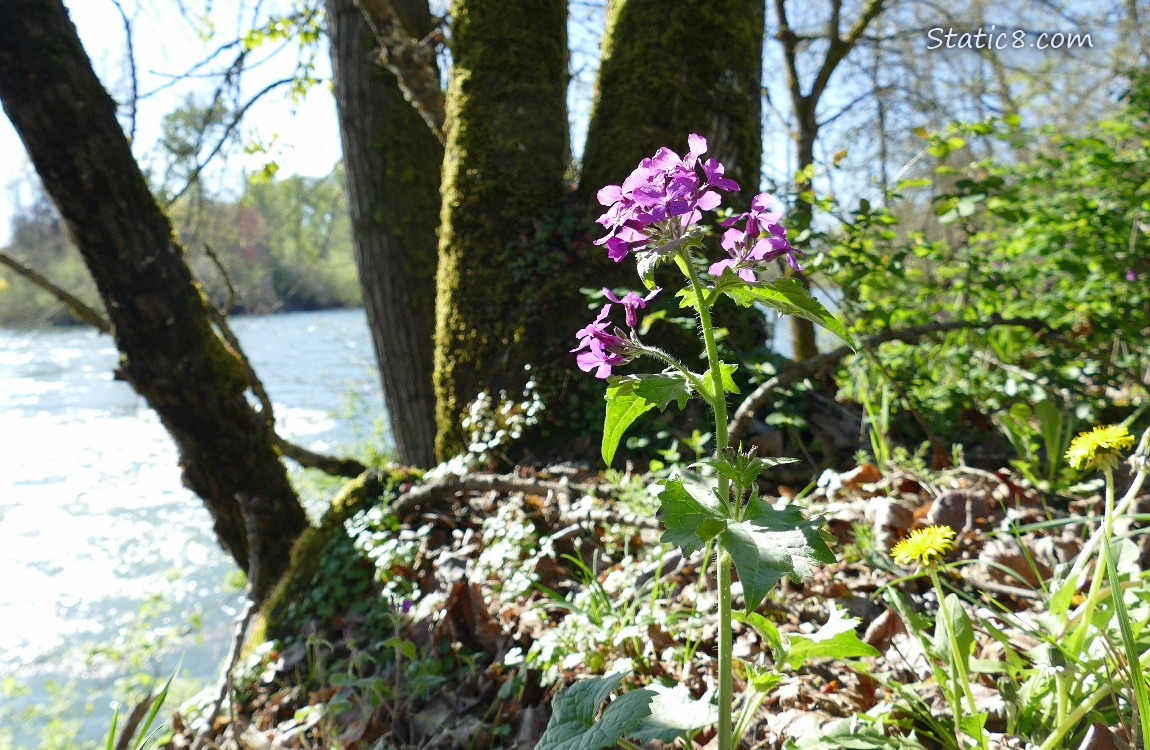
x: 1132, y: 656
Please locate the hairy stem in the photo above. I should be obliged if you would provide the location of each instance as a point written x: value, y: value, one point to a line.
x: 719, y: 405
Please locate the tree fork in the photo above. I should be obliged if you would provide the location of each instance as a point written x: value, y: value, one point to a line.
x: 169, y: 349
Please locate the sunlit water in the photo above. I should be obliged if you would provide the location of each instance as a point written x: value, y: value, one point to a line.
x: 94, y: 520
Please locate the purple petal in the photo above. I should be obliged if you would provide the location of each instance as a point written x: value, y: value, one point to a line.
x: 716, y: 269
x: 732, y: 238
x: 709, y: 200
x: 609, y: 195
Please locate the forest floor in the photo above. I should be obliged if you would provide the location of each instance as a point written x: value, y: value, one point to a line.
x: 455, y: 609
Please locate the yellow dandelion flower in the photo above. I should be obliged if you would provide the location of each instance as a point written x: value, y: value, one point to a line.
x: 1100, y: 448
x: 924, y: 546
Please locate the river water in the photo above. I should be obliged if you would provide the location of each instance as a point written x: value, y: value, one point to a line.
x: 95, y: 525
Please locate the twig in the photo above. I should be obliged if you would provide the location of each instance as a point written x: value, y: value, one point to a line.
x: 231, y: 301
x: 411, y: 61
x: 439, y: 490
x: 78, y: 307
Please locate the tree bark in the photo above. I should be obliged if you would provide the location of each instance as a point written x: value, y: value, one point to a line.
x: 668, y: 70
x: 505, y: 297
x: 392, y: 164
x: 169, y: 350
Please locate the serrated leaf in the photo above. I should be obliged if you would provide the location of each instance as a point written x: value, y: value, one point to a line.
x: 629, y: 397
x: 725, y: 373
x: 663, y: 388
x: 674, y: 713
x: 788, y: 297
x: 745, y: 469
x: 573, y: 724
x: 772, y: 544
x: 689, y: 522
x: 624, y: 406
x: 837, y: 639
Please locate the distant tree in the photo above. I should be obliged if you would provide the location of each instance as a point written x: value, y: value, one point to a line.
x: 170, y: 352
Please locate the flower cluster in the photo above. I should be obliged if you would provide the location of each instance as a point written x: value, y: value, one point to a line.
x: 652, y: 211
x: 606, y: 349
x: 663, y: 187
x: 761, y: 239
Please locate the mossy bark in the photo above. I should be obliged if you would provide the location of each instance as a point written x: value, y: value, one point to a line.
x: 504, y: 301
x: 668, y: 70
x: 169, y: 351
x: 392, y: 164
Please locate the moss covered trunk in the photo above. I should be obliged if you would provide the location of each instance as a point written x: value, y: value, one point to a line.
x: 669, y: 69
x: 169, y: 350
x: 506, y: 299
x: 392, y: 164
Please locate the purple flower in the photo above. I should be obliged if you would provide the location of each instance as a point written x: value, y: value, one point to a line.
x: 662, y: 187
x: 632, y: 302
x: 760, y: 240
x: 1131, y: 274
x: 604, y: 349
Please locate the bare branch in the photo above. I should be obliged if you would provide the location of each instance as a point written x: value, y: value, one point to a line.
x: 78, y: 307
x: 131, y: 50
x: 840, y: 47
x: 411, y: 61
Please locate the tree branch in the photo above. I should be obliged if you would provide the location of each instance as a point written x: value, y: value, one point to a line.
x: 78, y: 307
x: 811, y: 365
x: 790, y: 41
x: 412, y: 62
x: 840, y: 47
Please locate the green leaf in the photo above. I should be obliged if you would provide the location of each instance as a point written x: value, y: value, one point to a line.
x: 629, y: 397
x: 837, y: 639
x: 662, y: 389
x: 573, y: 724
x: 725, y: 373
x: 963, y: 631
x: 690, y: 521
x: 772, y: 544
x: 674, y: 713
x: 788, y: 297
x: 766, y: 629
x: 742, y: 468
x: 623, y: 408
x: 850, y: 734
x: 974, y: 725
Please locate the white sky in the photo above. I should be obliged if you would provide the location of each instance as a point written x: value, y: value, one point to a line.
x: 306, y: 134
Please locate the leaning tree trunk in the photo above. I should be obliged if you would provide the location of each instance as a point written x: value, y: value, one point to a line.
x: 506, y: 300
x: 392, y: 163
x: 169, y: 350
x: 669, y: 69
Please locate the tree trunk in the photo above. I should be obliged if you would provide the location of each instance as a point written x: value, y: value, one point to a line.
x: 169, y: 350
x: 392, y: 163
x: 505, y: 297
x: 668, y: 70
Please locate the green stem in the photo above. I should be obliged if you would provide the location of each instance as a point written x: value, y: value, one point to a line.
x: 719, y: 404
x: 959, y: 664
